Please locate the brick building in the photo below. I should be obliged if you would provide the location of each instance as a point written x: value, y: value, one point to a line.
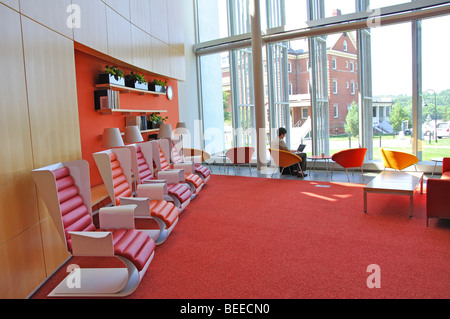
x: 342, y: 81
x: 342, y: 69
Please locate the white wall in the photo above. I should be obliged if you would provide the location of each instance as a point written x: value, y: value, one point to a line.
x: 188, y: 90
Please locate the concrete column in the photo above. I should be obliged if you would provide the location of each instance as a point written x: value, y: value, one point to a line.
x: 258, y: 75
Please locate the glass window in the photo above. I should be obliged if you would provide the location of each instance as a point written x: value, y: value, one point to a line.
x: 436, y: 87
x: 392, y: 79
x: 295, y: 14
x: 239, y: 17
x: 302, y: 78
x: 304, y: 113
x: 217, y: 102
x: 375, y: 4
x: 242, y: 94
x: 212, y: 20
x: 339, y: 7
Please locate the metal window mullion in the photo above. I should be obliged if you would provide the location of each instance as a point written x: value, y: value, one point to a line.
x: 417, y: 88
x: 284, y: 90
x: 241, y: 80
x: 273, y: 118
x: 234, y: 90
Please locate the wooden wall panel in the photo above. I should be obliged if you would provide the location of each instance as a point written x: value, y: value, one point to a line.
x: 21, y: 263
x: 51, y: 13
x: 54, y: 248
x: 120, y: 6
x: 177, y: 64
x: 159, y: 23
x: 12, y: 3
x: 142, y: 49
x: 39, y: 106
x: 119, y: 36
x: 17, y: 214
x: 52, y: 95
x: 139, y: 13
x: 53, y: 108
x: 93, y: 28
x: 175, y: 26
x: 161, y: 64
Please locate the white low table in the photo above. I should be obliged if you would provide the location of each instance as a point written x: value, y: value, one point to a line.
x: 397, y: 183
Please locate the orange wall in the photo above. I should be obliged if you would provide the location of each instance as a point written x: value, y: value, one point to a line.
x: 92, y: 123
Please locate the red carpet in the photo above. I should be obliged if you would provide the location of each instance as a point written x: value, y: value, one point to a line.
x: 247, y: 238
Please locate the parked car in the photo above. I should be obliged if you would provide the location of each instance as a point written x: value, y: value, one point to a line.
x: 443, y: 129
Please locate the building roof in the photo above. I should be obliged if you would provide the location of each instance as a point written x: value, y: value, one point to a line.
x: 300, y: 46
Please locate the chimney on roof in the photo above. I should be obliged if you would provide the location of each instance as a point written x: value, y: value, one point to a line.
x: 337, y: 12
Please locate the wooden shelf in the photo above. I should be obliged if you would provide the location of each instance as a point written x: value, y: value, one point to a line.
x: 127, y: 111
x: 124, y: 89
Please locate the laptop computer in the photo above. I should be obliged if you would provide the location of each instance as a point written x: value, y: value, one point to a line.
x: 301, y: 147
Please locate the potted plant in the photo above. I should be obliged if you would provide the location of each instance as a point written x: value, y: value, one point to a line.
x: 112, y: 75
x: 157, y: 86
x: 154, y: 120
x: 135, y: 80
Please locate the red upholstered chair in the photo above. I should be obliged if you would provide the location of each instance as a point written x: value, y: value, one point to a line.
x: 437, y: 192
x: 115, y: 168
x: 199, y: 169
x: 164, y: 167
x: 445, y: 168
x: 142, y: 167
x: 197, y: 156
x: 65, y: 189
x: 240, y: 155
x: 350, y: 158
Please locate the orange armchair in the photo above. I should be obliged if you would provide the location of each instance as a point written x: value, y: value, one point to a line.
x: 398, y: 160
x: 437, y: 192
x: 285, y: 159
x: 240, y: 155
x: 350, y: 158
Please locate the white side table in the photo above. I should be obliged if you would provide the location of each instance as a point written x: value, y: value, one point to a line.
x: 436, y: 160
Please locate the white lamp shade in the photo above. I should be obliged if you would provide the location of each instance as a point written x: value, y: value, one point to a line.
x: 181, y: 128
x: 112, y: 138
x: 165, y: 131
x: 132, y: 135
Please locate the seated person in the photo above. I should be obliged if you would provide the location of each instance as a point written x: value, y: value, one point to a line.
x: 279, y: 143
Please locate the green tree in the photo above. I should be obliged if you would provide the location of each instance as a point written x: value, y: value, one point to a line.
x: 397, y: 116
x: 226, y: 107
x: 352, y: 120
x: 446, y: 115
